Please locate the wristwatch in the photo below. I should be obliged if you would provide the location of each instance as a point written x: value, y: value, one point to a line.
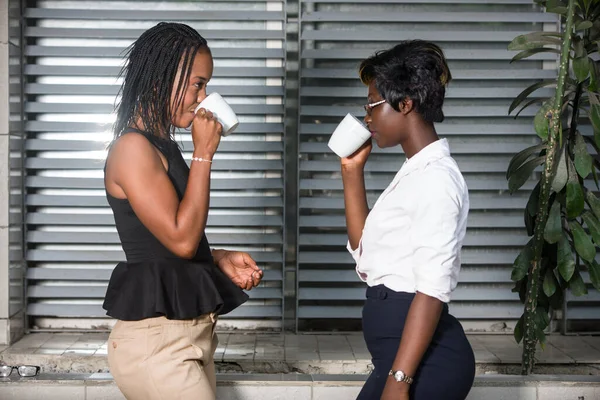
x: 400, y: 376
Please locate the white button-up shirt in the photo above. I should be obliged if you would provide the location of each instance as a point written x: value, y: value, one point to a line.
x: 413, y: 235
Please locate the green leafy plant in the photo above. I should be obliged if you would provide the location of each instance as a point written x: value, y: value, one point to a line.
x: 562, y: 215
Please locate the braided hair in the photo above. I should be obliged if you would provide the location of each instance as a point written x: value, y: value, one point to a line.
x: 149, y: 77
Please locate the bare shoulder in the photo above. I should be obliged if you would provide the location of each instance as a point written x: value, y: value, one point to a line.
x: 129, y: 157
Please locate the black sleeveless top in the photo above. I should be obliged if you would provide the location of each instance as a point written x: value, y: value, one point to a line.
x: 155, y: 282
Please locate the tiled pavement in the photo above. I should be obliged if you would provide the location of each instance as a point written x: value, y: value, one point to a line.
x: 258, y: 347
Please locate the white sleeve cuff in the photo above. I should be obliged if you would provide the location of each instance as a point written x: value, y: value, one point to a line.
x: 444, y: 297
x: 356, y: 252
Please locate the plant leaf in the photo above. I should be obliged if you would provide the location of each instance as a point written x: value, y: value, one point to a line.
x: 594, y: 203
x: 583, y: 25
x: 582, y: 242
x: 561, y: 175
x: 553, y: 228
x: 581, y: 67
x: 522, y: 263
x: 530, y: 52
x: 594, y: 270
x: 523, y: 95
x: 533, y: 40
x: 565, y: 259
x: 521, y: 157
x: 541, y: 122
x: 520, y: 176
x: 527, y: 104
x: 519, y: 330
x: 583, y: 160
x: 593, y: 225
x: 577, y: 285
x: 549, y: 285
x: 542, y: 320
x: 575, y: 201
x: 595, y: 118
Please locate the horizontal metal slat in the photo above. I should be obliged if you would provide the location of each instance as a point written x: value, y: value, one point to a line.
x: 507, y: 127
x: 117, y: 52
x: 468, y: 257
x: 462, y: 293
x: 491, y: 310
x: 51, y: 237
x: 216, y: 202
x: 96, y: 311
x: 113, y: 71
x: 101, y: 256
x: 101, y: 274
x: 72, y: 219
x: 365, y: 35
x: 467, y: 275
x: 429, y: 17
x: 98, y: 183
x: 152, y: 15
x: 453, y: 2
x: 478, y: 201
x: 472, y: 111
x: 475, y: 220
x: 85, y: 127
x: 132, y: 33
x: 451, y: 54
x: 70, y: 108
x: 90, y: 164
x: 98, y: 292
x: 495, y: 182
x: 488, y: 92
x: 495, y: 164
x: 472, y: 239
x: 508, y: 73
x: 112, y: 90
x: 226, y: 146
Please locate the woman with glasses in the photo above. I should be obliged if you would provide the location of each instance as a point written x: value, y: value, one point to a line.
x: 407, y: 247
x: 169, y: 293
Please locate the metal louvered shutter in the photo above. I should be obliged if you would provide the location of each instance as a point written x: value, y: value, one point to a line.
x: 334, y: 36
x: 73, y: 56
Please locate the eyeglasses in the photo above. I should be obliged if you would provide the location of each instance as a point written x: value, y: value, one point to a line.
x: 23, y: 370
x: 369, y: 107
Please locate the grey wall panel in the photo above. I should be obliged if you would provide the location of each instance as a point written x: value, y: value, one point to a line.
x: 73, y: 57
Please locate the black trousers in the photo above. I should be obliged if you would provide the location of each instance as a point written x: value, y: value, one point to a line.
x: 447, y: 369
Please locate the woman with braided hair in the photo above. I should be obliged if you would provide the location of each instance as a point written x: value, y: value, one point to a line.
x: 168, y: 294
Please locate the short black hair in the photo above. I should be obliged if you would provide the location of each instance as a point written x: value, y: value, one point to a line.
x: 149, y: 76
x: 414, y: 69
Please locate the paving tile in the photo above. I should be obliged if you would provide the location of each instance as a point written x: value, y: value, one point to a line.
x: 552, y: 355
x: 332, y: 343
x: 593, y: 341
x: 301, y: 356
x: 336, y: 356
x: 301, y: 341
x: 103, y: 392
x: 79, y: 352
x: 335, y: 393
x: 32, y: 340
x: 243, y: 392
x: 42, y: 391
x: 50, y: 351
x: 503, y: 393
x: 566, y: 392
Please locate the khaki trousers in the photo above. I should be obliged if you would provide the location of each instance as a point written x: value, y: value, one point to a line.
x: 161, y: 359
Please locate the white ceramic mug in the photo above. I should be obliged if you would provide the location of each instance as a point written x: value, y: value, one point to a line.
x: 222, y: 112
x: 349, y: 135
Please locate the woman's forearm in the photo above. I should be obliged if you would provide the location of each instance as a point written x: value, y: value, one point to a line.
x: 355, y: 202
x: 419, y: 328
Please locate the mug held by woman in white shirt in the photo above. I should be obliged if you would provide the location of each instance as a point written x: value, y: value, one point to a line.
x: 407, y: 248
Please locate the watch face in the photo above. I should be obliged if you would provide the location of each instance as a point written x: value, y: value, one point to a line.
x: 399, y: 376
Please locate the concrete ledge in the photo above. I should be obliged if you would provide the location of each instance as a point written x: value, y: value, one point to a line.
x: 302, y: 387
x: 88, y: 364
